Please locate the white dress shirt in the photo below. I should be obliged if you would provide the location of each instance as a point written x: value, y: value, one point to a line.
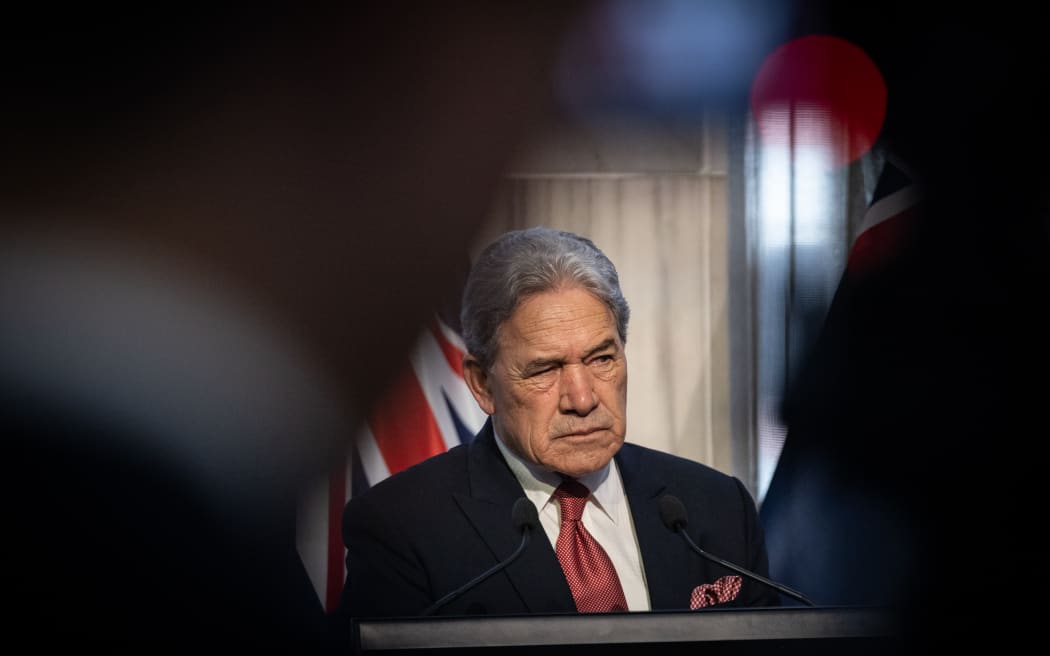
x: 607, y: 517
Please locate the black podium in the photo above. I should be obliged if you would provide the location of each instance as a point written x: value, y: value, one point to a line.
x: 788, y: 630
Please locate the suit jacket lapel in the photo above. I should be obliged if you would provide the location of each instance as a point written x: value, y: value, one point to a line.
x: 665, y: 558
x: 536, y: 574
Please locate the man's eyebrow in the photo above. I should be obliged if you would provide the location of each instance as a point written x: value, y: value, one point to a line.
x: 607, y: 344
x: 540, y: 363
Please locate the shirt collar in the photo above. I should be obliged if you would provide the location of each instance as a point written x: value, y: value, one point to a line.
x: 539, y: 483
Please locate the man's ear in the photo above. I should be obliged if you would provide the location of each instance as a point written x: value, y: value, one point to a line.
x: 478, y: 381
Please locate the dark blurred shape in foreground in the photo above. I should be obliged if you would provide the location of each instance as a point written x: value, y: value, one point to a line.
x: 909, y: 475
x: 218, y: 228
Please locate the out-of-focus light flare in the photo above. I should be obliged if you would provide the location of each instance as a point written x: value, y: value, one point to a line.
x: 667, y: 57
x: 822, y: 93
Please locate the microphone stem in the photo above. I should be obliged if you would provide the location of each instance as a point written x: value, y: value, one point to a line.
x: 739, y: 570
x: 469, y: 584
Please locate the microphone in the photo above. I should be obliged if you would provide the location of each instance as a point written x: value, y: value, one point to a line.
x: 525, y: 519
x: 673, y: 515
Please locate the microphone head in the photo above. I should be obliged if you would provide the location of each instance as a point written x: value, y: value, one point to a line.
x: 524, y: 514
x: 672, y: 512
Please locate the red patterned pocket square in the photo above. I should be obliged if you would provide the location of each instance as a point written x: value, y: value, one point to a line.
x: 723, y: 590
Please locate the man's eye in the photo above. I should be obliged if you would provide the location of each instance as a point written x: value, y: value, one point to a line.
x: 541, y: 372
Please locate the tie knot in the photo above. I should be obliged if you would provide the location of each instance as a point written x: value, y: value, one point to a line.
x: 572, y: 496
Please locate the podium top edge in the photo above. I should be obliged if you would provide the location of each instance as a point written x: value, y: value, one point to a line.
x: 708, y: 625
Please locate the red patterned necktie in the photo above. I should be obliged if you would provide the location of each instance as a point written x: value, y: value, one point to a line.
x: 592, y: 578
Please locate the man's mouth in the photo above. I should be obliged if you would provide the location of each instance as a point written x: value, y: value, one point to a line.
x: 583, y: 432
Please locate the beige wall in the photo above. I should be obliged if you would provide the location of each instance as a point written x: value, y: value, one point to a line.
x: 655, y: 199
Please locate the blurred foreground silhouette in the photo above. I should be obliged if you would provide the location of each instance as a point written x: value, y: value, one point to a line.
x: 217, y: 226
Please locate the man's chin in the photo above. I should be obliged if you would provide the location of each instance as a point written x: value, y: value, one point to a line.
x: 581, y: 464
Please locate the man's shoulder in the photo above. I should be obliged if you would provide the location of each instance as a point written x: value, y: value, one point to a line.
x: 442, y: 471
x: 653, y: 462
x: 650, y: 456
x: 647, y: 470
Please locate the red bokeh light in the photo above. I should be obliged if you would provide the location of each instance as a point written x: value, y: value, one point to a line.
x: 823, y: 92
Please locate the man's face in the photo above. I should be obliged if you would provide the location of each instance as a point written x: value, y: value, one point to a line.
x: 557, y: 390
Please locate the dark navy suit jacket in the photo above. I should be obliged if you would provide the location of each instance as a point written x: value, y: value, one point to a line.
x: 428, y: 530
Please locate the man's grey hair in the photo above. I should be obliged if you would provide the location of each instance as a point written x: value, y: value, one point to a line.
x: 521, y: 263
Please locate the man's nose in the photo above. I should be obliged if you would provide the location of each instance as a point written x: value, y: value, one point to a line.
x: 577, y: 390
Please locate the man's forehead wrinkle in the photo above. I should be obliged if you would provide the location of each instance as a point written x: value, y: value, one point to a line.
x: 539, y: 326
x: 555, y: 327
x: 542, y: 342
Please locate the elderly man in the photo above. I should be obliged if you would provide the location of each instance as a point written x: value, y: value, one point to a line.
x: 545, y: 325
